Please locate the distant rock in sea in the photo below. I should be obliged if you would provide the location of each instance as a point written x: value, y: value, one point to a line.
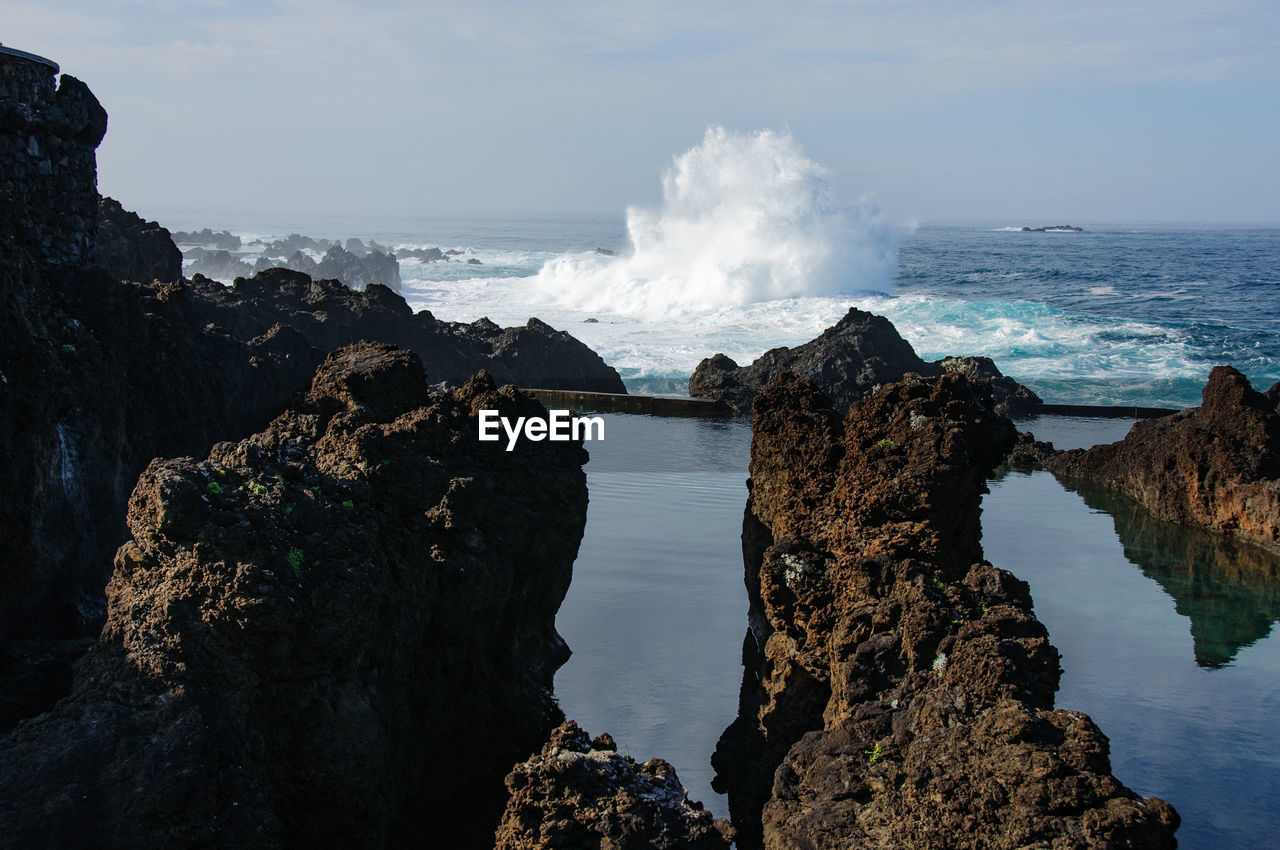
x: 1056, y: 228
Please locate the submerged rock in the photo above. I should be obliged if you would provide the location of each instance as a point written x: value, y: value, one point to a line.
x: 1216, y: 466
x: 897, y: 690
x: 848, y: 361
x: 337, y: 633
x: 582, y: 793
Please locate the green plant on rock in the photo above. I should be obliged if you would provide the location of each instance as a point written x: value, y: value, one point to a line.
x: 68, y: 348
x: 295, y: 561
x: 886, y: 443
x: 213, y: 488
x: 874, y: 754
x: 255, y: 488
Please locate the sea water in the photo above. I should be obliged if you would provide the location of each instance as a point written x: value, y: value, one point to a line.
x: 1166, y: 639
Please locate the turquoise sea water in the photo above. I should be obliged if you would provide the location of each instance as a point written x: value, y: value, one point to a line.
x: 1118, y: 314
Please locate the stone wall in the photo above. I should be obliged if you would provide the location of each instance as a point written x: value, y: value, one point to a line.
x: 48, y: 170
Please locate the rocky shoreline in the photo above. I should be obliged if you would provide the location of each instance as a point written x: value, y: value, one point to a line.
x: 329, y: 609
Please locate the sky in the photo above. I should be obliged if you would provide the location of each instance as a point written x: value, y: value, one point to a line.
x: 1010, y: 112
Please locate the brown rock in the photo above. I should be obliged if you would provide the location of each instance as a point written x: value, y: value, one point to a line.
x: 1216, y: 466
x: 583, y: 794
x: 898, y: 691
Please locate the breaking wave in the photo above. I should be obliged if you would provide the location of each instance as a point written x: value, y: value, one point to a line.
x: 745, y: 217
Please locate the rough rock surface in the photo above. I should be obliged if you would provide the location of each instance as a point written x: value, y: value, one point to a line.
x: 328, y: 315
x: 336, y: 633
x: 848, y: 361
x: 97, y: 377
x: 581, y: 793
x: 898, y: 691
x: 1216, y: 466
x: 132, y: 249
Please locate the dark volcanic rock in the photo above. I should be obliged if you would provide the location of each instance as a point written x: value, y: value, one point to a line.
x: 328, y: 315
x: 848, y: 361
x: 582, y: 793
x: 132, y: 249
x: 898, y: 691
x: 1216, y: 466
x: 1012, y: 398
x: 336, y: 633
x: 97, y: 377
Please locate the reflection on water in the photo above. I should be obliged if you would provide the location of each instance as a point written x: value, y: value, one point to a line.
x: 656, y: 613
x: 1204, y: 738
x: 1230, y: 591
x: 657, y: 607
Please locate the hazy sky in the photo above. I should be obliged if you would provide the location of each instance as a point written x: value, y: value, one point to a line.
x: 1026, y: 111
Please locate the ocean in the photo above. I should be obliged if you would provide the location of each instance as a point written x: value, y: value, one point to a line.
x: 1166, y: 643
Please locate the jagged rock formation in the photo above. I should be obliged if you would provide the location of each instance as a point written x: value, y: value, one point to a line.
x: 130, y: 248
x: 848, y: 361
x: 1216, y: 466
x: 329, y: 315
x: 336, y: 633
x: 580, y: 792
x: 898, y: 691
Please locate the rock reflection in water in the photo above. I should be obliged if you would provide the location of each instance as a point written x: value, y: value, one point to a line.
x: 1229, y: 590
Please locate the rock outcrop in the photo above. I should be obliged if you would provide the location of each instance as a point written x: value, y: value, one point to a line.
x: 898, y: 691
x: 582, y: 793
x: 328, y: 315
x: 99, y: 375
x: 130, y: 248
x: 848, y: 361
x: 336, y: 633
x: 1216, y: 466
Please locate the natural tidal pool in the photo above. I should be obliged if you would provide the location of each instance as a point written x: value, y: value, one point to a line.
x: 1165, y: 633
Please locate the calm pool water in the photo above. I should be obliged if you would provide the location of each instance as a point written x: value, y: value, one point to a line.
x: 1166, y: 634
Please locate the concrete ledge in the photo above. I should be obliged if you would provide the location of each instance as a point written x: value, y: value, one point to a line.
x: 30, y: 57
x: 1106, y: 411
x: 620, y: 403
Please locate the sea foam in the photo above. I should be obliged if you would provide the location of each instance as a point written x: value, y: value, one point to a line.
x: 745, y: 218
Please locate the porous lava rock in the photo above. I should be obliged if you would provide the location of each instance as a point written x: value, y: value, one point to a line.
x: 582, y: 793
x: 338, y: 632
x: 848, y: 361
x: 1216, y: 466
x: 898, y: 690
x: 130, y: 248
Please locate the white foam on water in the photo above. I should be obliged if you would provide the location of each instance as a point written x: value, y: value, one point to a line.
x: 745, y: 218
